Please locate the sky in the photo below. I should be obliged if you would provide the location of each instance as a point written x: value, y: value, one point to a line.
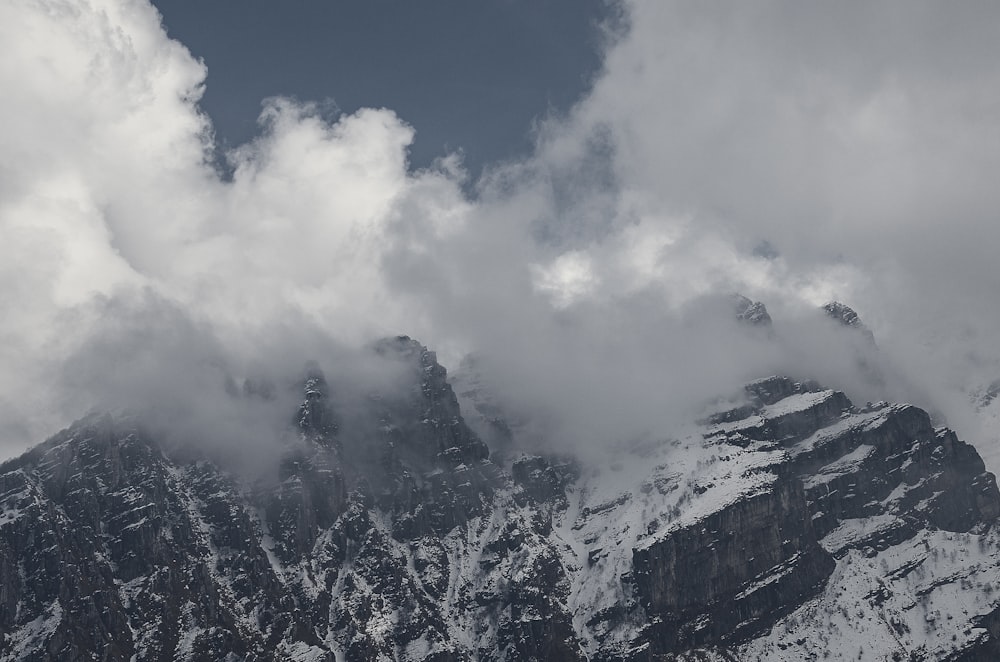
x: 584, y: 247
x: 473, y: 76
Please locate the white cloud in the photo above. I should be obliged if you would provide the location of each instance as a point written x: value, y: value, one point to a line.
x: 860, y: 140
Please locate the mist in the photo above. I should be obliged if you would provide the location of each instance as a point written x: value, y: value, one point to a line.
x: 857, y: 143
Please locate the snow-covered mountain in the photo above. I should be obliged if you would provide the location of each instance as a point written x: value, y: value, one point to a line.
x: 792, y: 524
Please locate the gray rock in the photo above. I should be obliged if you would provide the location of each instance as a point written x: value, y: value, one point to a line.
x: 393, y: 536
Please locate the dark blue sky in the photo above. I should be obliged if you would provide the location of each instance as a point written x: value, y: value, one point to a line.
x: 466, y: 74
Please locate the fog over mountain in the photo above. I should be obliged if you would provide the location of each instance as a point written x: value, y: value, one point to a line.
x: 795, y: 154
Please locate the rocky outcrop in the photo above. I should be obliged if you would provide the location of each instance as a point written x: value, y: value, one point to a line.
x: 733, y: 572
x: 112, y: 542
x: 838, y: 480
x: 544, y: 480
x: 750, y: 312
x: 892, y: 462
x: 386, y: 533
x: 845, y: 316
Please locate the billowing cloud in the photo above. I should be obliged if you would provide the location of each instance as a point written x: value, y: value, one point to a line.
x: 793, y: 153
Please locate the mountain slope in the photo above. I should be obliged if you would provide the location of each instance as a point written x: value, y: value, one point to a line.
x: 785, y: 527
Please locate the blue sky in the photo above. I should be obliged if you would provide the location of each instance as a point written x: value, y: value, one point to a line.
x: 468, y: 75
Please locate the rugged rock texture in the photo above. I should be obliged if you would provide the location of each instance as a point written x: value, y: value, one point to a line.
x: 750, y: 312
x: 784, y: 527
x: 699, y: 581
x: 845, y: 315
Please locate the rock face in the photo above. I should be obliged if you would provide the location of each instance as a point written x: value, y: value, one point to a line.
x: 791, y: 525
x: 846, y: 316
x: 699, y: 580
x: 750, y: 312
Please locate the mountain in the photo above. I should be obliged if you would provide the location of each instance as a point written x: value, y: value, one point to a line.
x: 788, y: 525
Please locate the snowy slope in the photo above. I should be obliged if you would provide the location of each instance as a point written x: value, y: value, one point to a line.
x: 790, y: 526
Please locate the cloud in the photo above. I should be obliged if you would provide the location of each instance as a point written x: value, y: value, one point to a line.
x: 860, y: 141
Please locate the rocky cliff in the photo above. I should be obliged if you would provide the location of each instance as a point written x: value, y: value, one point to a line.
x: 789, y: 525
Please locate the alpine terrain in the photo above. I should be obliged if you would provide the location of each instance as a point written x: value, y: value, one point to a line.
x: 787, y: 524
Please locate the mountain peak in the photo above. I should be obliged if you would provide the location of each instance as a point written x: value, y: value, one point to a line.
x: 315, y: 416
x: 771, y: 531
x: 750, y: 312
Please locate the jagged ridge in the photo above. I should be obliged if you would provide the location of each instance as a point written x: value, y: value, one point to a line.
x: 738, y: 539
